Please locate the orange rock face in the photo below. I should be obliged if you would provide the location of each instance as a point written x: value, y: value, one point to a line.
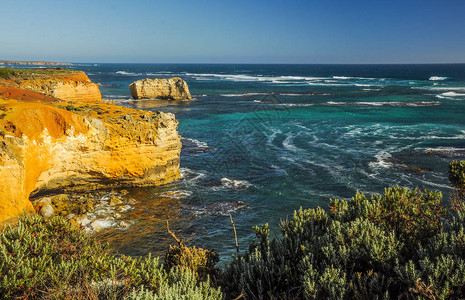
x: 76, y: 87
x: 48, y: 145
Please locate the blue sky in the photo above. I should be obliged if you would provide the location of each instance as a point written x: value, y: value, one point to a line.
x: 273, y: 31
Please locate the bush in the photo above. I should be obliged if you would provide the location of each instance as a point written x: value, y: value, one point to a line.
x: 457, y: 174
x: 200, y: 261
x: 52, y: 259
x: 395, y: 245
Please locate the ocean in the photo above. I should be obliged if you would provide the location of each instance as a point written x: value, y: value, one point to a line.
x: 260, y: 141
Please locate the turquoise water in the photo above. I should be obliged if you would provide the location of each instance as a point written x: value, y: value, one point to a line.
x: 263, y: 140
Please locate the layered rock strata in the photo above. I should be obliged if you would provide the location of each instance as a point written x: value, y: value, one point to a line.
x: 48, y: 146
x: 165, y: 88
x: 74, y: 88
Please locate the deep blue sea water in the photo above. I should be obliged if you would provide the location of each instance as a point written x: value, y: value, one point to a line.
x: 263, y: 140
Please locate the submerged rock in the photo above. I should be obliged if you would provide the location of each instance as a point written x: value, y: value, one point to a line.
x: 165, y: 88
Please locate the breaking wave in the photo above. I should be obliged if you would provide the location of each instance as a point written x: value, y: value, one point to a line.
x: 128, y: 73
x: 437, y: 78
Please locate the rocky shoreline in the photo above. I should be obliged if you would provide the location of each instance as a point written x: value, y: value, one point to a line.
x: 58, y: 138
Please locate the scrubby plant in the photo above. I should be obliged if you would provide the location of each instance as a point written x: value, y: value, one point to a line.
x: 457, y: 174
x: 180, y: 285
x: 42, y: 259
x: 16, y: 74
x: 200, y: 261
x: 457, y: 179
x: 402, y: 244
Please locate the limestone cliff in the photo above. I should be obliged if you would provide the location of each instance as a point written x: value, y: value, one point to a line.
x: 79, y: 88
x: 48, y: 145
x: 166, y: 88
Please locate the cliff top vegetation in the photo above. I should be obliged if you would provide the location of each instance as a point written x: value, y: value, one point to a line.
x: 35, y: 73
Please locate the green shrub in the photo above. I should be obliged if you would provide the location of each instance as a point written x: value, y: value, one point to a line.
x: 200, y: 261
x: 42, y: 259
x: 457, y: 174
x: 400, y: 244
x: 180, y: 285
x: 13, y: 74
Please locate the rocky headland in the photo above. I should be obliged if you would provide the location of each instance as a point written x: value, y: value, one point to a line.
x: 33, y: 63
x: 57, y: 136
x: 161, y: 88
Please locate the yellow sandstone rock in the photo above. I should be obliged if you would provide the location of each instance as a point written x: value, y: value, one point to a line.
x: 165, y: 88
x: 75, y: 88
x: 45, y: 147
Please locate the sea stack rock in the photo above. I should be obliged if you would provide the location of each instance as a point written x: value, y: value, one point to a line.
x: 161, y: 88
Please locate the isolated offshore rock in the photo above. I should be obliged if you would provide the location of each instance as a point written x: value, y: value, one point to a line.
x: 165, y: 88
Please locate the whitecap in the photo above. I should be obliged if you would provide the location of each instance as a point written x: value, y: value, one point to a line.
x: 297, y: 104
x: 382, y: 160
x: 362, y: 103
x: 197, y: 143
x: 451, y: 94
x: 191, y: 175
x: 243, y: 77
x: 437, y: 78
x: 159, y: 73
x: 244, y: 94
x: 128, y: 73
x: 234, y: 183
x: 350, y: 77
x: 288, y: 143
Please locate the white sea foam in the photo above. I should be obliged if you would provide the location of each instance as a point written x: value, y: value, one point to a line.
x: 115, y: 97
x: 243, y: 77
x: 297, y: 104
x: 128, y: 73
x: 234, y: 183
x: 197, y: 143
x: 160, y: 74
x: 445, y: 149
x: 100, y: 224
x: 362, y: 103
x: 271, y: 137
x: 191, y: 175
x: 359, y: 84
x: 288, y: 143
x: 457, y: 89
x: 450, y: 94
x: 244, y: 94
x: 382, y: 160
x: 349, y: 77
x: 437, y: 78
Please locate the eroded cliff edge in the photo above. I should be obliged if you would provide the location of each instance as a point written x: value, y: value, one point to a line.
x: 49, y: 145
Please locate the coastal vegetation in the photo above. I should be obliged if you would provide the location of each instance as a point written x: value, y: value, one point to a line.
x: 23, y: 74
x: 402, y: 244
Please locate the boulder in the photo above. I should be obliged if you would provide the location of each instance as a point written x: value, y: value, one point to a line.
x: 166, y: 89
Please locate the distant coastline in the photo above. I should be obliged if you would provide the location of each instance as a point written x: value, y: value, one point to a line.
x: 33, y: 63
